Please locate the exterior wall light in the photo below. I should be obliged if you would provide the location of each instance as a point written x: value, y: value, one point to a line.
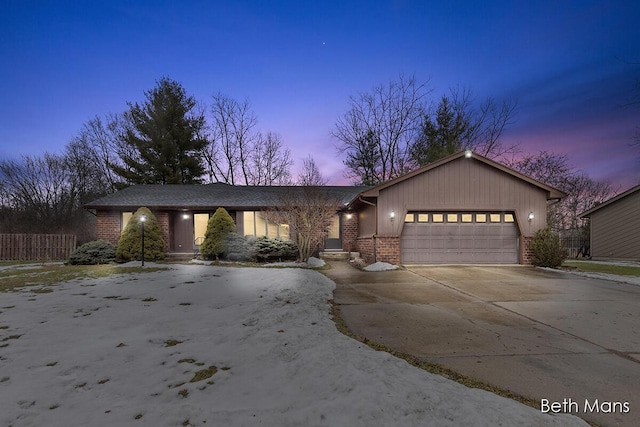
x: 392, y: 215
x: 468, y: 153
x: 185, y: 216
x: 531, y: 216
x: 349, y: 215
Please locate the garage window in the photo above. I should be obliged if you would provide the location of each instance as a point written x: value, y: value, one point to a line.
x: 494, y: 217
x: 423, y: 217
x: 452, y: 217
x: 508, y: 217
x: 481, y: 217
x: 466, y: 217
x: 409, y: 217
x: 438, y: 217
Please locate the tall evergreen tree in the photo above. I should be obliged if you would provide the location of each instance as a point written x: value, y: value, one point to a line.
x: 165, y: 137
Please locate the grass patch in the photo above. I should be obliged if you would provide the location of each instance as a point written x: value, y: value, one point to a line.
x: 594, y: 267
x: 53, y: 274
x: 429, y: 366
x: 171, y: 343
x: 204, y: 374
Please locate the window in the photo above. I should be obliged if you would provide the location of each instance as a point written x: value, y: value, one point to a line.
x: 200, y: 221
x: 423, y: 217
x: 494, y: 217
x: 481, y: 217
x: 466, y: 217
x: 126, y: 217
x: 334, y: 228
x: 438, y: 217
x: 452, y: 217
x: 255, y: 224
x: 409, y: 217
x: 508, y: 217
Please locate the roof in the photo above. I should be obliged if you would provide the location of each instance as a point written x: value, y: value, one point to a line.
x: 208, y: 196
x: 612, y: 200
x: 552, y: 193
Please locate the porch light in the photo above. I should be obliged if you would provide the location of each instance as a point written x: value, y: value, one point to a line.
x: 349, y: 215
x: 185, y: 216
x: 531, y: 216
x: 392, y: 215
x: 468, y: 153
x: 143, y: 218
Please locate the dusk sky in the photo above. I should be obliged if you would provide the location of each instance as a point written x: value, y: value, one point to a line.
x: 571, y: 65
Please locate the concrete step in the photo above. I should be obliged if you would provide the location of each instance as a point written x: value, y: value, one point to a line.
x: 338, y: 255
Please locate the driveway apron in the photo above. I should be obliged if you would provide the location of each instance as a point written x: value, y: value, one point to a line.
x: 540, y: 333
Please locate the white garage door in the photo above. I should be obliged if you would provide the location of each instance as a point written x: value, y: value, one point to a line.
x: 459, y: 237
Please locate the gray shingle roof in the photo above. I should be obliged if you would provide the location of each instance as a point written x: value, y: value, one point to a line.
x: 209, y: 196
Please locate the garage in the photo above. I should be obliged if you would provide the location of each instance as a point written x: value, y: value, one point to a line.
x: 459, y: 237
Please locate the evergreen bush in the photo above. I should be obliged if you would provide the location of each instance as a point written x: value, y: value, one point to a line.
x: 218, y: 228
x: 91, y: 253
x: 546, y: 250
x: 130, y: 243
x: 268, y: 249
x: 238, y: 248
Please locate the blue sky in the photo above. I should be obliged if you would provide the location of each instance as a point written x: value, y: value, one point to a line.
x: 568, y: 64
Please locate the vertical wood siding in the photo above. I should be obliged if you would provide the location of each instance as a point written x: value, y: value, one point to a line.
x: 462, y: 185
x: 615, y: 229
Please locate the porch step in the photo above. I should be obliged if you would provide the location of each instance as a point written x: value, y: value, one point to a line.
x: 178, y: 256
x: 338, y: 255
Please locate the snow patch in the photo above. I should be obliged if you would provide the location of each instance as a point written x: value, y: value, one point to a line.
x: 380, y: 266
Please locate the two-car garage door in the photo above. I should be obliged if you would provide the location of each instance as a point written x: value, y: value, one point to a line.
x: 459, y: 237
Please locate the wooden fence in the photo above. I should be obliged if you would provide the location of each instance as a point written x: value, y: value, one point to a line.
x: 574, y: 243
x: 36, y: 247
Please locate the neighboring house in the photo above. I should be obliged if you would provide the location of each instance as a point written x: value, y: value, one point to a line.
x: 615, y: 227
x: 464, y: 208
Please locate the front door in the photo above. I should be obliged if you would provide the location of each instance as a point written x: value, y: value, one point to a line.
x: 334, y: 234
x: 182, y: 232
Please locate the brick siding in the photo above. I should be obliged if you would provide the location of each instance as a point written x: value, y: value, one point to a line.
x: 525, y: 251
x: 364, y: 245
x: 349, y: 233
x: 388, y: 249
x: 109, y: 226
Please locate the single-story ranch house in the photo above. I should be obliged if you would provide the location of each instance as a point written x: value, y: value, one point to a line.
x: 464, y: 208
x: 615, y: 227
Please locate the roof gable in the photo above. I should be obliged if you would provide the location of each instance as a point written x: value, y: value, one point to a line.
x: 552, y: 193
x: 612, y: 200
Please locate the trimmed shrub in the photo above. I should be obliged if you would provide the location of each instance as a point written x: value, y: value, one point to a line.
x: 91, y: 253
x: 218, y: 228
x: 130, y: 243
x: 267, y: 249
x: 237, y: 248
x: 546, y: 250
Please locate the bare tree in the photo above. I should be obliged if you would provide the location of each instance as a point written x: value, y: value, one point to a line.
x: 379, y: 128
x: 583, y: 193
x: 233, y: 135
x: 270, y: 161
x: 310, y: 174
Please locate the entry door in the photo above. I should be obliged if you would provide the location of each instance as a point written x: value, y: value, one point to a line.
x: 334, y: 234
x: 182, y: 232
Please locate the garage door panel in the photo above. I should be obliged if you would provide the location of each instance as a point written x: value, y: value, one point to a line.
x: 459, y: 243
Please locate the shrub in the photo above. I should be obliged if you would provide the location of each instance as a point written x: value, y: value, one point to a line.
x: 546, y: 250
x: 237, y: 248
x: 91, y: 253
x: 130, y: 244
x: 218, y: 228
x: 267, y: 249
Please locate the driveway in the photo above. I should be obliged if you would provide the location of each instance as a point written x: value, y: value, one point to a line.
x: 540, y: 333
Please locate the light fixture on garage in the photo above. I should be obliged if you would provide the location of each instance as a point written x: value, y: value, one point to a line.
x: 531, y: 216
x: 349, y: 215
x: 392, y: 215
x: 468, y: 153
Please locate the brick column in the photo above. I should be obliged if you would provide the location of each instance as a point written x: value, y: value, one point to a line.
x: 364, y: 245
x: 388, y: 249
x: 525, y: 251
x: 349, y: 232
x: 163, y: 222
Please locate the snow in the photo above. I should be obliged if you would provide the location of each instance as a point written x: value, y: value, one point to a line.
x: 122, y: 350
x: 380, y: 266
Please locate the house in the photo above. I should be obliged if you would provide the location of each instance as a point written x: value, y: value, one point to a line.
x: 464, y: 208
x: 615, y: 227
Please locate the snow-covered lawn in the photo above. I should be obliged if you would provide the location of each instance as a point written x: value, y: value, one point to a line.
x: 215, y: 346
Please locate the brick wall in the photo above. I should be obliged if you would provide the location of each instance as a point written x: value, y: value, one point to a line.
x: 525, y: 251
x: 364, y: 245
x: 388, y: 249
x: 108, y: 226
x: 163, y: 221
x: 349, y: 232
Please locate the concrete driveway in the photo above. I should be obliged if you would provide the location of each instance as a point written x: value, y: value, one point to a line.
x: 542, y: 334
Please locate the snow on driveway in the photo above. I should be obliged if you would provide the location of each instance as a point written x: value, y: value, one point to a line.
x: 215, y: 346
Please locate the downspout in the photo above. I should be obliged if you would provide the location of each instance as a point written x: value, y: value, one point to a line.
x: 373, y: 238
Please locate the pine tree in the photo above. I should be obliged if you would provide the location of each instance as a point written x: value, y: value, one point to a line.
x: 163, y: 140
